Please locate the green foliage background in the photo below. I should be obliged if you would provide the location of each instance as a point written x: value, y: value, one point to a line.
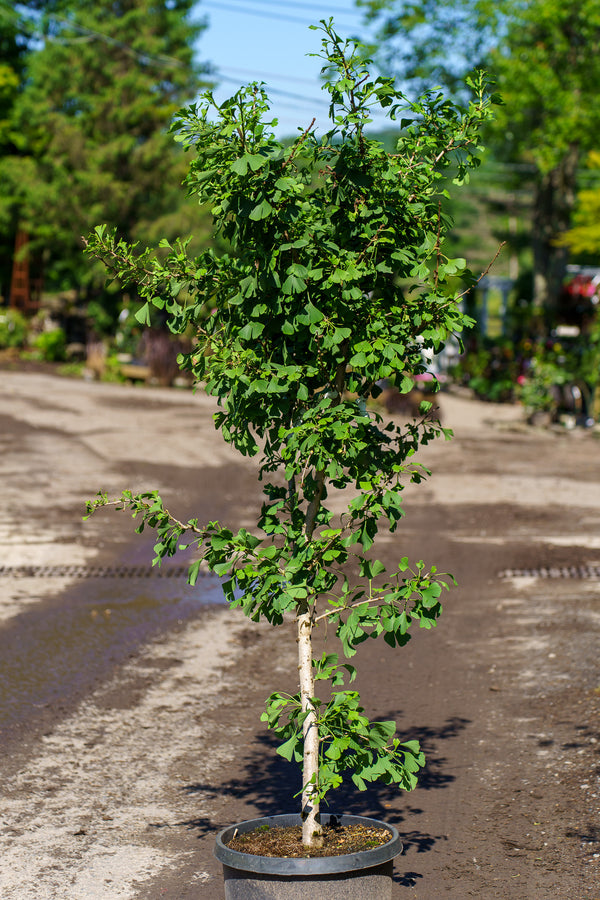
x: 543, y: 57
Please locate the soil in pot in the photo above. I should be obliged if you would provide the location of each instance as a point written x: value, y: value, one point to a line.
x: 287, y: 841
x: 339, y: 872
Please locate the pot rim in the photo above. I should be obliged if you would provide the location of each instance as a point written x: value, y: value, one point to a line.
x: 318, y: 865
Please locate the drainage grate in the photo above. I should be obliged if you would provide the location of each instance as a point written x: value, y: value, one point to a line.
x: 94, y: 572
x: 182, y: 571
x: 554, y: 572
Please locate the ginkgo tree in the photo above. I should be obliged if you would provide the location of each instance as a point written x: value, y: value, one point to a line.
x: 336, y: 280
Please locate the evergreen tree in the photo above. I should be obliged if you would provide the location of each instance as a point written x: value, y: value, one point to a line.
x: 13, y: 51
x: 93, y: 118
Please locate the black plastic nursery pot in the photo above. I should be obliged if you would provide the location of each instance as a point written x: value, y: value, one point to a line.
x: 366, y: 875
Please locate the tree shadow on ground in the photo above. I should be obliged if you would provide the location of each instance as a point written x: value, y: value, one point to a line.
x: 589, y: 833
x: 268, y: 783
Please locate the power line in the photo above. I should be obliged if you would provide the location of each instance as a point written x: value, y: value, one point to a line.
x: 255, y: 74
x: 301, y: 99
x: 318, y: 7
x: 92, y: 34
x: 271, y: 90
x: 267, y: 15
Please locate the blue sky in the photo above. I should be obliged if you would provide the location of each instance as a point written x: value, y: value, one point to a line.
x: 267, y: 40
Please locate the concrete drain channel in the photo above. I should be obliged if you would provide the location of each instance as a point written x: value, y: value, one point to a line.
x: 587, y: 572
x: 94, y: 572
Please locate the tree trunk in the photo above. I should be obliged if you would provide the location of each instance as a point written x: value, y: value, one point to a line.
x: 312, y: 831
x: 553, y: 204
x: 311, y: 825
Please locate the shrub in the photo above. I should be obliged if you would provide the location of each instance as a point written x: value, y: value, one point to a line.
x: 14, y: 329
x: 51, y: 345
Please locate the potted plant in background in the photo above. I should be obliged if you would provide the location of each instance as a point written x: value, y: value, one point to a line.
x: 336, y: 280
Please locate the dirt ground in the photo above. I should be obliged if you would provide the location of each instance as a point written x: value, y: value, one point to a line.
x: 130, y: 706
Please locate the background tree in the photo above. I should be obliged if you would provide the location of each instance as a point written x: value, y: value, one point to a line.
x: 92, y: 120
x: 13, y: 51
x: 544, y: 57
x: 583, y: 239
